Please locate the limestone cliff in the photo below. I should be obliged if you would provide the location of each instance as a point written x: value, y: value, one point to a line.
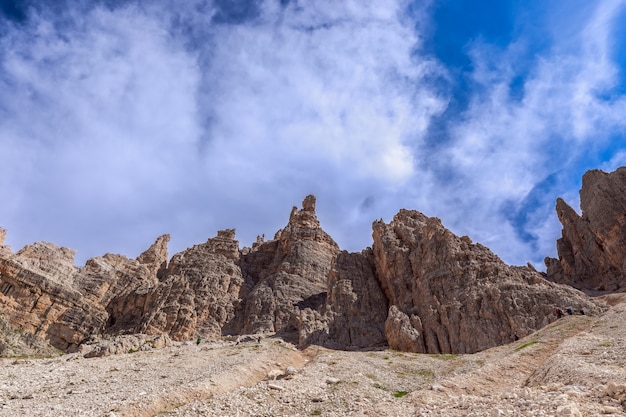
x: 592, y: 249
x: 419, y: 287
x: 288, y: 274
x: 447, y: 294
x: 37, y: 296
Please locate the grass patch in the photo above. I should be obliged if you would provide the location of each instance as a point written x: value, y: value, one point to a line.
x: 525, y: 345
x: 316, y: 412
x: 606, y: 343
x: 400, y: 394
x: 445, y: 356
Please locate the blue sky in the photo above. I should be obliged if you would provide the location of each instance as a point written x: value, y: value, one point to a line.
x: 124, y: 120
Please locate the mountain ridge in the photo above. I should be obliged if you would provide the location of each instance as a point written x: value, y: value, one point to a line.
x: 419, y: 288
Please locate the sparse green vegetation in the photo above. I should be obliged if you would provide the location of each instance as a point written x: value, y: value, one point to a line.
x: 426, y: 373
x: 606, y: 343
x: 400, y: 394
x: 316, y: 412
x: 525, y: 345
x: 445, y: 356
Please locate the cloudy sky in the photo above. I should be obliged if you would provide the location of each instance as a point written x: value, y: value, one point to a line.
x: 123, y: 120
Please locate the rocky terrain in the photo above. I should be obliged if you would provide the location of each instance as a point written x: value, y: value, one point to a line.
x: 572, y: 367
x: 419, y: 288
x: 423, y: 322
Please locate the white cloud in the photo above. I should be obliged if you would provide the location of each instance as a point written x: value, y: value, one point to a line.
x: 129, y: 122
x: 504, y: 146
x: 120, y: 124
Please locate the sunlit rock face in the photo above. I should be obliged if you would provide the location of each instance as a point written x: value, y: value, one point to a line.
x: 592, y: 249
x: 447, y: 294
x: 419, y: 288
x: 288, y: 274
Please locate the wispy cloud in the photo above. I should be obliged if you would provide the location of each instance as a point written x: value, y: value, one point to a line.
x: 508, y: 143
x: 122, y: 120
x: 126, y: 122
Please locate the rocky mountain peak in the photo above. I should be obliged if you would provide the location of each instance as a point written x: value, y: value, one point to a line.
x: 306, y: 217
x: 592, y: 248
x: 419, y: 288
x: 155, y: 257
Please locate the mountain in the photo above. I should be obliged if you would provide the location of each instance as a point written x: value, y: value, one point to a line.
x: 418, y: 288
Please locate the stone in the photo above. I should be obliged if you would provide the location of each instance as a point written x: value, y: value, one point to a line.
x: 592, y: 248
x: 419, y: 288
x: 447, y: 295
x: 356, y: 307
x: 607, y: 409
x: 195, y: 296
x: 568, y: 410
x: 275, y: 374
x: 287, y: 275
x: 155, y: 257
x: 615, y: 390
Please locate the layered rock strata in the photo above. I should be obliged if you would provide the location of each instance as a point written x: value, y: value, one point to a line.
x: 288, y: 274
x: 447, y: 294
x: 419, y: 288
x: 592, y: 249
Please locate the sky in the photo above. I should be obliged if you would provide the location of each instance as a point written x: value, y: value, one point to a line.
x: 122, y: 120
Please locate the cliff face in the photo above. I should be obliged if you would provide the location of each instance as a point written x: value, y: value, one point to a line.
x: 287, y: 274
x: 592, y: 249
x: 419, y: 288
x: 447, y: 294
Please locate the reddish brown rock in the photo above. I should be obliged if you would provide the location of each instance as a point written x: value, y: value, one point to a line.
x: 155, y: 257
x: 196, y: 294
x: 37, y: 296
x: 288, y: 274
x: 355, y: 311
x: 592, y: 249
x: 419, y: 288
x: 447, y: 295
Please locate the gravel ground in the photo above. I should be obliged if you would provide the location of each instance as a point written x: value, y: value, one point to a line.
x: 574, y: 367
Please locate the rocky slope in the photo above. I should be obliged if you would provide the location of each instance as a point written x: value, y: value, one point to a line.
x: 592, y: 249
x: 573, y: 367
x: 419, y: 288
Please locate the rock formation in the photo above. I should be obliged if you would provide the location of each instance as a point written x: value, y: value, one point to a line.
x: 288, y: 274
x: 592, y: 249
x: 196, y: 294
x: 36, y: 299
x: 354, y: 314
x: 447, y: 294
x: 419, y: 288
